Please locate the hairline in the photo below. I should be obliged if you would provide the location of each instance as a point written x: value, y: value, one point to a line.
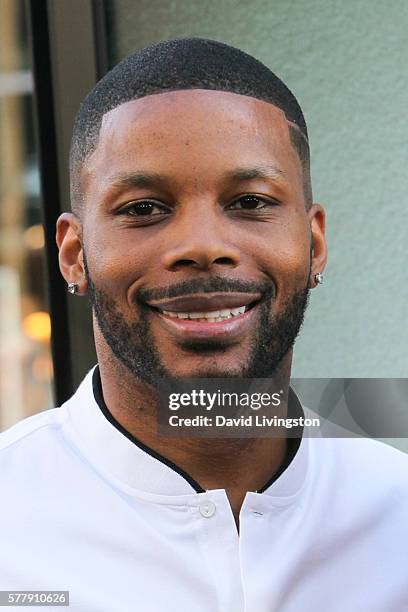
x: 296, y: 135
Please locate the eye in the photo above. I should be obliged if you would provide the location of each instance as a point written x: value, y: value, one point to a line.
x: 144, y: 208
x: 251, y: 202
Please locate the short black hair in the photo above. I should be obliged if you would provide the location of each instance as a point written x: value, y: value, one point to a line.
x: 179, y: 64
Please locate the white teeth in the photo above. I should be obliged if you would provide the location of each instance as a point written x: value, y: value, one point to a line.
x: 237, y: 311
x: 212, y: 316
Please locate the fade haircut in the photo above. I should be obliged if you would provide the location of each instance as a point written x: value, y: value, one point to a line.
x: 180, y: 64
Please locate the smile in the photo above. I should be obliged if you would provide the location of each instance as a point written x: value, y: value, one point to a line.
x: 227, y: 325
x: 212, y: 316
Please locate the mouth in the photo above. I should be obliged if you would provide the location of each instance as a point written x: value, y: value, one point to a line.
x: 224, y: 318
x: 211, y: 316
x: 204, y: 303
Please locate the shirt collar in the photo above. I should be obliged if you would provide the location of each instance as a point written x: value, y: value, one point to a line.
x: 114, y: 450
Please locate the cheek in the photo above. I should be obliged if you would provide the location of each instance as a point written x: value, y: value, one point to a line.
x: 115, y: 262
x: 284, y: 255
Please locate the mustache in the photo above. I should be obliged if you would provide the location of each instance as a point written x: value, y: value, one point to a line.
x: 215, y: 284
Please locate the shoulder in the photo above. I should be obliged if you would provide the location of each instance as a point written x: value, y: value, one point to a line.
x: 43, y: 432
x: 37, y: 466
x: 355, y: 466
x: 363, y: 452
x: 31, y: 437
x: 24, y: 429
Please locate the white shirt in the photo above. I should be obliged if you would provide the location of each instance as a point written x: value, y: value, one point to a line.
x: 86, y: 509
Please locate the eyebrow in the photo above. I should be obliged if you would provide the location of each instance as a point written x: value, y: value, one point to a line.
x: 137, y: 179
x: 143, y: 180
x: 257, y: 172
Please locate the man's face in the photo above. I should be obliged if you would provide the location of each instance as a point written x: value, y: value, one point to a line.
x: 194, y: 204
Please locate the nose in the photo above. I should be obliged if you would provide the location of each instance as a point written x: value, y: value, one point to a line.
x: 201, y: 240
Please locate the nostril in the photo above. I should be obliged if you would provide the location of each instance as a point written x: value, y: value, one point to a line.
x: 184, y: 262
x: 223, y: 260
x: 199, y: 260
x: 180, y: 263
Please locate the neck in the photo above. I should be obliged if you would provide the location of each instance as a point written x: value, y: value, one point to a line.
x: 236, y: 465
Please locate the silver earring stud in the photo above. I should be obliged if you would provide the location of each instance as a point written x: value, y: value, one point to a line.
x: 72, y: 288
x: 318, y: 278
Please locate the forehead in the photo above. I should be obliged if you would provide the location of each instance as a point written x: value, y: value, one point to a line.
x: 203, y: 130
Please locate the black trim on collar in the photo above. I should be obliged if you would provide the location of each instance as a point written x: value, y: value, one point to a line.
x: 97, y: 389
x: 295, y: 411
x: 293, y: 443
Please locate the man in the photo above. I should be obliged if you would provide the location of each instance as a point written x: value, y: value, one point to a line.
x: 195, y: 235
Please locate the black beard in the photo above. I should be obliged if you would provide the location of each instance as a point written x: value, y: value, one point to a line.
x: 134, y: 346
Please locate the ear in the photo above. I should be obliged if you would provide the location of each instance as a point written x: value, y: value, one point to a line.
x: 317, y: 219
x: 69, y: 241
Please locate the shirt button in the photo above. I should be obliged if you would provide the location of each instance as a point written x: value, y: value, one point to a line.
x: 207, y: 509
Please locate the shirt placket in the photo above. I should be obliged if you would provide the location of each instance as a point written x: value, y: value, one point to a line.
x: 218, y: 540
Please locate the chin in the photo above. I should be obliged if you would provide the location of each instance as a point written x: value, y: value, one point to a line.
x: 208, y: 362
x: 207, y: 371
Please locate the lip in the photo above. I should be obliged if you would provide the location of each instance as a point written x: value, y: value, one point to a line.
x: 206, y: 302
x: 228, y: 331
